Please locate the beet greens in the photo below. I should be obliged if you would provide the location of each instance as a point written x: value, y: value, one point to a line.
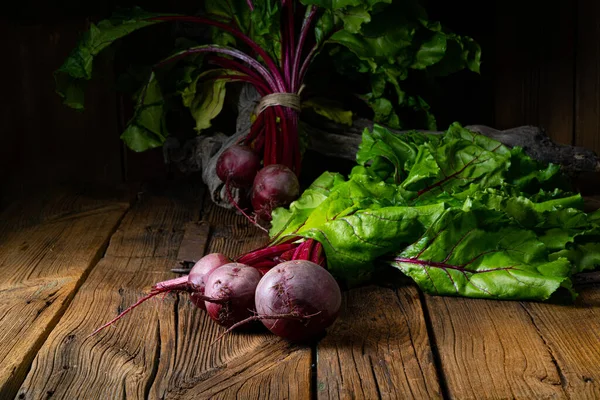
x: 288, y: 51
x: 459, y: 213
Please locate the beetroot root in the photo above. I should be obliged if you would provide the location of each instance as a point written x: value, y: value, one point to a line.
x: 303, y: 294
x: 236, y: 284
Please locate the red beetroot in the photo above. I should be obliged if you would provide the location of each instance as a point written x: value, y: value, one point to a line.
x: 235, y: 283
x: 303, y: 298
x: 200, y: 272
x: 237, y: 166
x: 296, y: 300
x: 274, y: 186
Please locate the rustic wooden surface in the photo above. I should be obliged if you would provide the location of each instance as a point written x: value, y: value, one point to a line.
x: 48, y: 246
x: 387, y: 342
x: 378, y: 348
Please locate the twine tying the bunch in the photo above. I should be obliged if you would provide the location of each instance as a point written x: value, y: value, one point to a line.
x: 291, y: 100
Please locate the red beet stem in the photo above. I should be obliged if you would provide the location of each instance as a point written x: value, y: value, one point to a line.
x: 180, y: 284
x: 264, y: 253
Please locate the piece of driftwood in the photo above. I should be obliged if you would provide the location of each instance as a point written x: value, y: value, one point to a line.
x: 339, y: 141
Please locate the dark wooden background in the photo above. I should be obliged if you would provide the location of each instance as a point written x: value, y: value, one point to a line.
x: 540, y: 67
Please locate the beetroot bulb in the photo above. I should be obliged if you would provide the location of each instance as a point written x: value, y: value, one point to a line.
x: 200, y: 272
x: 237, y: 166
x: 296, y: 300
x: 274, y: 186
x: 302, y: 296
x: 236, y: 283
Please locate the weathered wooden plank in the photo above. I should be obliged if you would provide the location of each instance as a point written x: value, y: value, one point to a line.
x: 587, y: 124
x: 572, y: 336
x: 120, y: 361
x: 378, y: 348
x: 47, y: 248
x: 254, y: 364
x: 194, y: 242
x: 491, y: 350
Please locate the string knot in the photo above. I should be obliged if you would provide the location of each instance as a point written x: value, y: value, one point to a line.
x: 290, y: 100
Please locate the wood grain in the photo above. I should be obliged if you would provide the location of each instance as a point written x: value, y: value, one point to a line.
x: 378, y: 348
x: 572, y: 336
x: 48, y: 246
x: 491, y: 350
x: 120, y: 361
x: 252, y: 364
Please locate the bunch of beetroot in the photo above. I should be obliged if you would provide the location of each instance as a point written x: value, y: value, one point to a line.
x: 267, y: 161
x: 286, y: 287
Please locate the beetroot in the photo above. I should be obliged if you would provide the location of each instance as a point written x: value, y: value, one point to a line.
x: 303, y: 298
x: 274, y: 186
x: 235, y: 283
x: 237, y: 166
x: 199, y: 273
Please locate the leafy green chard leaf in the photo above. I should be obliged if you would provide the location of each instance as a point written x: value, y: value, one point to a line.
x: 479, y: 254
x: 205, y: 96
x: 360, y: 220
x: 77, y: 69
x: 459, y: 160
x: 230, y: 10
x: 146, y: 129
x: 400, y: 152
x: 473, y: 229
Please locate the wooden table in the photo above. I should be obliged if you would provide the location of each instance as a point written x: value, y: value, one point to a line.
x: 71, y: 260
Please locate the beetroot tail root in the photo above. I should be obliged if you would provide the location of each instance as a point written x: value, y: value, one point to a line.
x: 164, y: 289
x: 253, y: 318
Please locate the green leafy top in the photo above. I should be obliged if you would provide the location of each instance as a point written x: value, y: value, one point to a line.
x: 373, y: 41
x: 385, y: 40
x: 451, y: 212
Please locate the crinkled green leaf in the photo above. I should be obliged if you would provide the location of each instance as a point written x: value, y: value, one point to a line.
x: 226, y: 10
x: 431, y: 51
x: 266, y: 27
x: 205, y: 96
x: 388, y: 39
x: 451, y: 212
x: 359, y: 221
x: 286, y: 221
x: 479, y: 254
x: 261, y: 24
x: 397, y: 150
